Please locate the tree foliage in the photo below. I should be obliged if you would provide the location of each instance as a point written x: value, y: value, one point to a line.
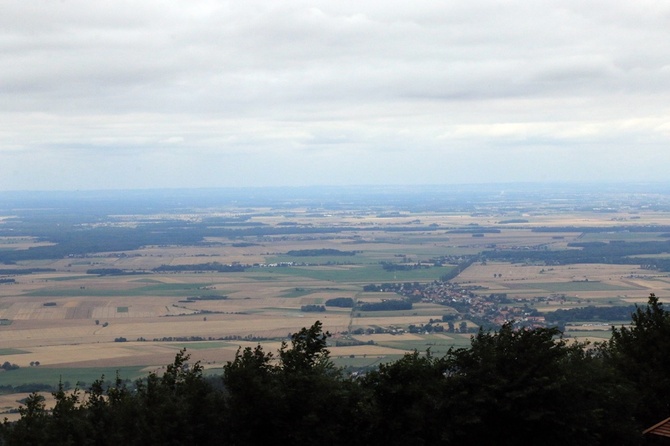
x: 641, y: 353
x: 525, y: 383
x: 510, y: 386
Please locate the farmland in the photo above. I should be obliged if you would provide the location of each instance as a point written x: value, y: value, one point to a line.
x: 125, y: 285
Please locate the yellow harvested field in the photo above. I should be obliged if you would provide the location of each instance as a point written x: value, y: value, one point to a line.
x: 279, y: 324
x: 587, y: 281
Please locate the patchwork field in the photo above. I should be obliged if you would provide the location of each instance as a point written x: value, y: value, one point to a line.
x: 66, y: 318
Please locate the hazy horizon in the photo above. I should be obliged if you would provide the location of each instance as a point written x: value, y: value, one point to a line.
x: 115, y: 95
x: 604, y: 192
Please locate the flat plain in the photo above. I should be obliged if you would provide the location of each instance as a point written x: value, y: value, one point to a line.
x: 78, y: 323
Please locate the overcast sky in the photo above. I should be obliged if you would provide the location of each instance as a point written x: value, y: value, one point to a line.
x: 153, y: 94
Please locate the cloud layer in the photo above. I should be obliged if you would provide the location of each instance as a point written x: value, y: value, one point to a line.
x: 114, y: 94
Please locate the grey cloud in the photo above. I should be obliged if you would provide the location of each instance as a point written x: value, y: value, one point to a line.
x: 391, y: 80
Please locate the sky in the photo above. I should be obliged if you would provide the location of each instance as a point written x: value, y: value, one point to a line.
x: 192, y: 94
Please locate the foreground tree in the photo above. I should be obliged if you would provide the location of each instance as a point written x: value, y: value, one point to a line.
x: 514, y: 385
x: 509, y: 387
x: 406, y: 401
x: 298, y: 398
x: 30, y: 427
x: 176, y: 409
x: 641, y: 354
x: 254, y: 397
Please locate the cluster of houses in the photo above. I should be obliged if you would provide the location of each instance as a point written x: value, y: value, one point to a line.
x: 482, y: 309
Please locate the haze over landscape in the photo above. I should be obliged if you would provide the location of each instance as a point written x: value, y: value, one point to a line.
x: 334, y: 222
x: 123, y: 95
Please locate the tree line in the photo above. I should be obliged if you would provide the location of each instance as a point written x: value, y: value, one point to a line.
x: 508, y: 387
x: 613, y: 252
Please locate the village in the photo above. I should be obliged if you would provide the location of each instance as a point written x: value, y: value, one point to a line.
x: 468, y: 303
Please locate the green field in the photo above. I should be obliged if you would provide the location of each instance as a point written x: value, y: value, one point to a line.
x: 438, y: 345
x: 403, y: 313
x: 301, y: 292
x: 163, y: 289
x: 52, y: 376
x: 363, y: 274
x: 261, y: 278
x: 321, y: 260
x: 65, y: 279
x: 620, y: 236
x: 366, y: 361
x: 12, y: 351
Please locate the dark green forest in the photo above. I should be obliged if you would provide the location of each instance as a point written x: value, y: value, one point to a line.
x: 510, y: 386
